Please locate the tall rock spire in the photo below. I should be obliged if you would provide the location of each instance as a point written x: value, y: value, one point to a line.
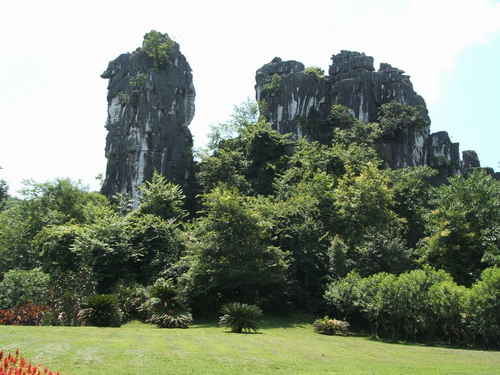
x: 150, y: 105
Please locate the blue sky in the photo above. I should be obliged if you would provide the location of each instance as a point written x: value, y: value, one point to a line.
x: 470, y: 102
x: 53, y: 102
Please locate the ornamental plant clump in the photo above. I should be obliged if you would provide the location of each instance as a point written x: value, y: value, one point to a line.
x: 17, y: 365
x: 238, y: 317
x: 327, y: 326
x: 164, y: 307
x: 29, y: 314
x: 102, y: 310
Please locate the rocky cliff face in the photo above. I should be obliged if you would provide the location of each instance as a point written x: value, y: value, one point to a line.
x: 150, y: 105
x: 290, y: 94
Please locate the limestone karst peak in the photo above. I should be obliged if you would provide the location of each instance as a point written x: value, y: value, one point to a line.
x: 150, y: 106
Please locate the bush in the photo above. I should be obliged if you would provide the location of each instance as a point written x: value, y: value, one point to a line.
x: 238, y: 317
x: 274, y: 86
x: 131, y: 299
x: 315, y: 71
x: 164, y: 307
x: 25, y: 315
x: 102, y: 311
x: 327, y: 326
x: 484, y: 309
x: 22, y: 287
x: 159, y: 47
x: 172, y: 319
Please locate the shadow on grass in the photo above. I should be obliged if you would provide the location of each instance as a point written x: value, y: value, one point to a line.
x: 265, y: 322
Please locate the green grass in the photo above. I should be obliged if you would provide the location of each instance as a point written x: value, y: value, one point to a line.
x: 283, y: 346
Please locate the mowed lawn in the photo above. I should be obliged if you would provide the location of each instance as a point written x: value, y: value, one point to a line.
x: 283, y: 346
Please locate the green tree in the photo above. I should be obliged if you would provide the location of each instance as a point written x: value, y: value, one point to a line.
x: 411, y: 192
x: 162, y: 198
x: 159, y: 47
x: 55, y: 246
x: 298, y: 230
x: 244, y: 115
x: 451, y: 302
x: 249, y: 162
x: 23, y: 286
x: 364, y: 201
x: 156, y: 246
x: 140, y: 83
x: 363, y: 217
x: 231, y: 257
x: 56, y: 202
x: 104, y: 246
x: 274, y: 85
x: 344, y: 294
x: 460, y: 227
x: 43, y: 205
x: 16, y: 251
x: 339, y: 126
x: 415, y: 304
x: 484, y: 309
x: 315, y: 71
x: 393, y: 117
x: 4, y: 188
x: 374, y: 300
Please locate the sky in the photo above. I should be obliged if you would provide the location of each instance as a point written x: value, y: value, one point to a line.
x: 53, y: 102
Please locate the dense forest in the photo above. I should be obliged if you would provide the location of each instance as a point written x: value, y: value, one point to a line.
x: 286, y: 224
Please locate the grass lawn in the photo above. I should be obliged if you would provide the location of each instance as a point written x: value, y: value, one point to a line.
x: 283, y: 346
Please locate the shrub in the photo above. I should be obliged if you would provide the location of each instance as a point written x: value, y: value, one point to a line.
x: 26, y: 315
x: 274, y: 86
x: 16, y: 364
x: 140, y: 83
x: 164, y: 307
x: 172, y: 319
x: 315, y: 71
x: 159, y: 47
x: 484, y: 308
x: 238, y: 317
x: 22, y: 286
x: 102, y: 311
x: 131, y: 298
x: 327, y: 326
x: 122, y: 98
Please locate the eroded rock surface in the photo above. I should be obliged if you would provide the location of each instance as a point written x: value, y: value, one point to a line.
x: 291, y: 95
x: 149, y: 111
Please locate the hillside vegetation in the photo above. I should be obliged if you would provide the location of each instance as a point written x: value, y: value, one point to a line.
x: 287, y: 225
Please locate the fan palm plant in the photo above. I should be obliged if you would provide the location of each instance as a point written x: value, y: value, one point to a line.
x: 164, y: 306
x: 102, y: 310
x: 238, y: 317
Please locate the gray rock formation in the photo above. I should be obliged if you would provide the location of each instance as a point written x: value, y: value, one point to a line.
x: 150, y: 106
x: 291, y: 95
x: 444, y: 156
x: 352, y: 81
x: 470, y: 162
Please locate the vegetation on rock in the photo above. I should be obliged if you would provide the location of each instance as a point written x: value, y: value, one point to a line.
x: 158, y: 46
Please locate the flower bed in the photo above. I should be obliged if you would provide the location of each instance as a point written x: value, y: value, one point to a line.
x: 16, y: 365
